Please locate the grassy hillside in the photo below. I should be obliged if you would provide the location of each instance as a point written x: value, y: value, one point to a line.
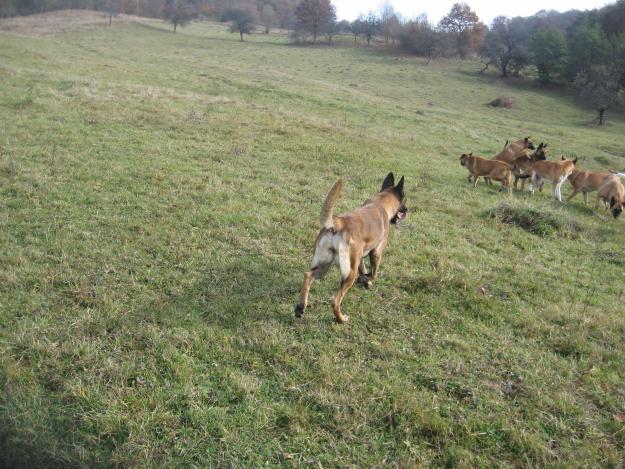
x: 159, y: 197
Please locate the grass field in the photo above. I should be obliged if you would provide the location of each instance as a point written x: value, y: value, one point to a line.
x: 159, y: 197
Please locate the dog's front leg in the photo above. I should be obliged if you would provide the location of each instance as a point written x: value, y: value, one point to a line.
x: 376, y: 257
x: 555, y: 183
x: 597, y: 201
x: 533, y: 181
x: 574, y: 193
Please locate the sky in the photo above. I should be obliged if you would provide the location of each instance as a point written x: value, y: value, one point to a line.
x: 485, y: 9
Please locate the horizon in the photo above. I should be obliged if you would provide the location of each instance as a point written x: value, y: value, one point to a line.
x: 486, y: 10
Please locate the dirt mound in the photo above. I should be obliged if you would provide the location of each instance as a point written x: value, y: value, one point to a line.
x: 502, y: 102
x: 62, y: 21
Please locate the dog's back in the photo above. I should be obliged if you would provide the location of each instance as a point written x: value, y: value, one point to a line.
x: 513, y: 150
x: 588, y: 181
x: 479, y: 166
x: 553, y: 170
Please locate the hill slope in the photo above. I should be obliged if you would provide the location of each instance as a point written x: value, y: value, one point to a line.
x: 159, y: 197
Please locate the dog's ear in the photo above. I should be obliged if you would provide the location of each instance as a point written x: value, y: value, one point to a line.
x: 471, y: 154
x: 575, y: 160
x: 545, y: 145
x: 563, y: 158
x: 389, y: 181
x: 540, y: 146
x: 399, y: 188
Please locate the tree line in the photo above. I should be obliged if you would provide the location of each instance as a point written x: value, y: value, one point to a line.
x: 581, y: 50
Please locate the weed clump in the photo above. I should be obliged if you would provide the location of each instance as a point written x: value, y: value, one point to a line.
x: 541, y: 222
x: 501, y: 102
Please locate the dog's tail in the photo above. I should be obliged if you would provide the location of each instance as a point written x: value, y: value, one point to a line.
x: 621, y: 175
x: 326, y: 212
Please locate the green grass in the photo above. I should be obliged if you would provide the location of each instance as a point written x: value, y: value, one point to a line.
x: 159, y: 197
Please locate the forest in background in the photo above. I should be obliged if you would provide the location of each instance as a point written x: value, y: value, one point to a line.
x: 583, y: 51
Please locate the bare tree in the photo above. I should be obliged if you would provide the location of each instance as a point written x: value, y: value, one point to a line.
x: 112, y: 9
x: 463, y: 23
x: 241, y: 20
x: 370, y: 26
x: 313, y: 16
x: 268, y: 17
x: 179, y: 12
x: 599, y: 87
x: 386, y: 13
x: 357, y: 28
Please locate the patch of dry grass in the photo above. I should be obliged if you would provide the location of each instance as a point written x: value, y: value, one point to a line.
x: 63, y: 21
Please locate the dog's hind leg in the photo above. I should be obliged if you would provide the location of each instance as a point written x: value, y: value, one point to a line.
x: 349, y: 259
x: 585, y: 197
x: 363, y: 276
x: 316, y: 272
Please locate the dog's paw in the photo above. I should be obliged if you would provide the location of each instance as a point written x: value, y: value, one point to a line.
x: 342, y: 319
x: 364, y: 279
x: 299, y: 310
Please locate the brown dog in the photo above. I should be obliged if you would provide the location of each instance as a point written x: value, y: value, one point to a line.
x: 587, y: 181
x: 613, y: 193
x: 527, y: 155
x: 347, y: 238
x: 511, y: 151
x: 490, y: 169
x: 555, y: 172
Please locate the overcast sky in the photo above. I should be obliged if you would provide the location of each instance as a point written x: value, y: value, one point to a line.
x: 486, y: 10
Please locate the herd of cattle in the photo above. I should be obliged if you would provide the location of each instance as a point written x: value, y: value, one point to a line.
x: 522, y: 160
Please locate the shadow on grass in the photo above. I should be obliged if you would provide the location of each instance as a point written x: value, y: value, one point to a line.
x: 235, y: 293
x: 18, y: 449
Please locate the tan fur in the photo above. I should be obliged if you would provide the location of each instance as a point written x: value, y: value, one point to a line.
x: 587, y: 181
x: 512, y: 151
x: 326, y: 212
x: 345, y: 239
x: 527, y: 155
x: 491, y: 169
x: 554, y: 171
x: 612, y: 193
